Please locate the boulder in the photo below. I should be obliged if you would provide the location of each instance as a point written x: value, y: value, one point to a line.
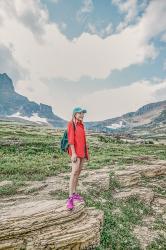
x: 133, y: 173
x: 48, y: 224
x: 145, y: 194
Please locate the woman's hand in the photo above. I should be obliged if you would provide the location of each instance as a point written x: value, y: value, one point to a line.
x: 74, y: 157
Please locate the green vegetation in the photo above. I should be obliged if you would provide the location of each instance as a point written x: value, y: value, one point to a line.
x: 119, y: 219
x: 28, y: 153
x: 158, y: 243
x: 33, y: 152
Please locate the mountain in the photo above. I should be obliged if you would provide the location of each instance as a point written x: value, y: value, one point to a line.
x: 148, y: 116
x: 151, y: 116
x: 18, y: 107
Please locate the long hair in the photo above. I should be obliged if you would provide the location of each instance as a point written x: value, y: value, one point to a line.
x: 73, y: 118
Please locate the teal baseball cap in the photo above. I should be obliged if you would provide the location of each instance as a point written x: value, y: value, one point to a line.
x: 79, y: 109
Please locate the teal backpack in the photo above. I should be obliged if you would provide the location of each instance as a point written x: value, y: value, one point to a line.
x: 64, y: 141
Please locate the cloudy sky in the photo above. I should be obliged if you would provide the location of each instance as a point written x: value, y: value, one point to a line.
x: 106, y: 56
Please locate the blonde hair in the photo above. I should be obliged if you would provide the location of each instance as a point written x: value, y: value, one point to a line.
x: 73, y: 118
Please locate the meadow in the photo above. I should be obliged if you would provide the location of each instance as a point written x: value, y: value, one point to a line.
x: 30, y: 152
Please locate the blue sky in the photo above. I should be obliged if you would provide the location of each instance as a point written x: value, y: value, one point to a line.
x: 106, y: 56
x: 75, y: 16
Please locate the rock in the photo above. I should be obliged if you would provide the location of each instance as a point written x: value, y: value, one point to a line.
x: 48, y: 224
x: 148, y: 220
x: 95, y: 178
x: 145, y: 235
x: 159, y: 205
x: 127, y: 177
x: 34, y: 187
x: 133, y: 173
x: 145, y: 194
x: 5, y: 182
x: 153, y: 170
x: 6, y: 201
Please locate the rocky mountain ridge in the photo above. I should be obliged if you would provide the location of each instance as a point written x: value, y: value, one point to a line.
x: 16, y: 106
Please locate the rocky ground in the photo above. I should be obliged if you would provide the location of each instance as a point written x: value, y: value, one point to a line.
x: 38, y: 209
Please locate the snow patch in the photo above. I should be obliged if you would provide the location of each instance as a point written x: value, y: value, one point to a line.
x: 33, y: 118
x: 116, y: 125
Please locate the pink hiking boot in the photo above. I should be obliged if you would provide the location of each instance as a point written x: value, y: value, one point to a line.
x: 78, y: 197
x: 70, y: 204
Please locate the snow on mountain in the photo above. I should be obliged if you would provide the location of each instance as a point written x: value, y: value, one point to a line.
x: 33, y: 118
x: 116, y: 125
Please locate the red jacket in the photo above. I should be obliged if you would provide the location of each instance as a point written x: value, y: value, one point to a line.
x: 78, y: 139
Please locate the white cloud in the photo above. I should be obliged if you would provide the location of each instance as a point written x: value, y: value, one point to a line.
x: 129, y: 7
x: 32, y: 15
x: 108, y: 29
x: 160, y: 91
x: 163, y: 37
x: 63, y: 26
x: 83, y: 13
x: 56, y: 56
x: 35, y: 90
x: 87, y: 6
x: 45, y: 53
x: 131, y: 10
x: 8, y: 63
x: 102, y: 32
x: 110, y: 103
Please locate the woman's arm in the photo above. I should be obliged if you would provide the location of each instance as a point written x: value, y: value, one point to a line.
x: 70, y: 133
x: 72, y: 149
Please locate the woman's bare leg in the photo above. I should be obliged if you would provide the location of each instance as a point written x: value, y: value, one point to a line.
x: 74, y: 176
x: 79, y: 171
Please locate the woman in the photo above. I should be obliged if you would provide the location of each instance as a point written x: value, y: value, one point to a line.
x: 77, y: 150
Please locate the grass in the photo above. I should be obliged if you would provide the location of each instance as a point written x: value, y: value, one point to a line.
x: 117, y: 227
x: 159, y: 223
x: 158, y: 243
x: 34, y: 152
x: 10, y: 188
